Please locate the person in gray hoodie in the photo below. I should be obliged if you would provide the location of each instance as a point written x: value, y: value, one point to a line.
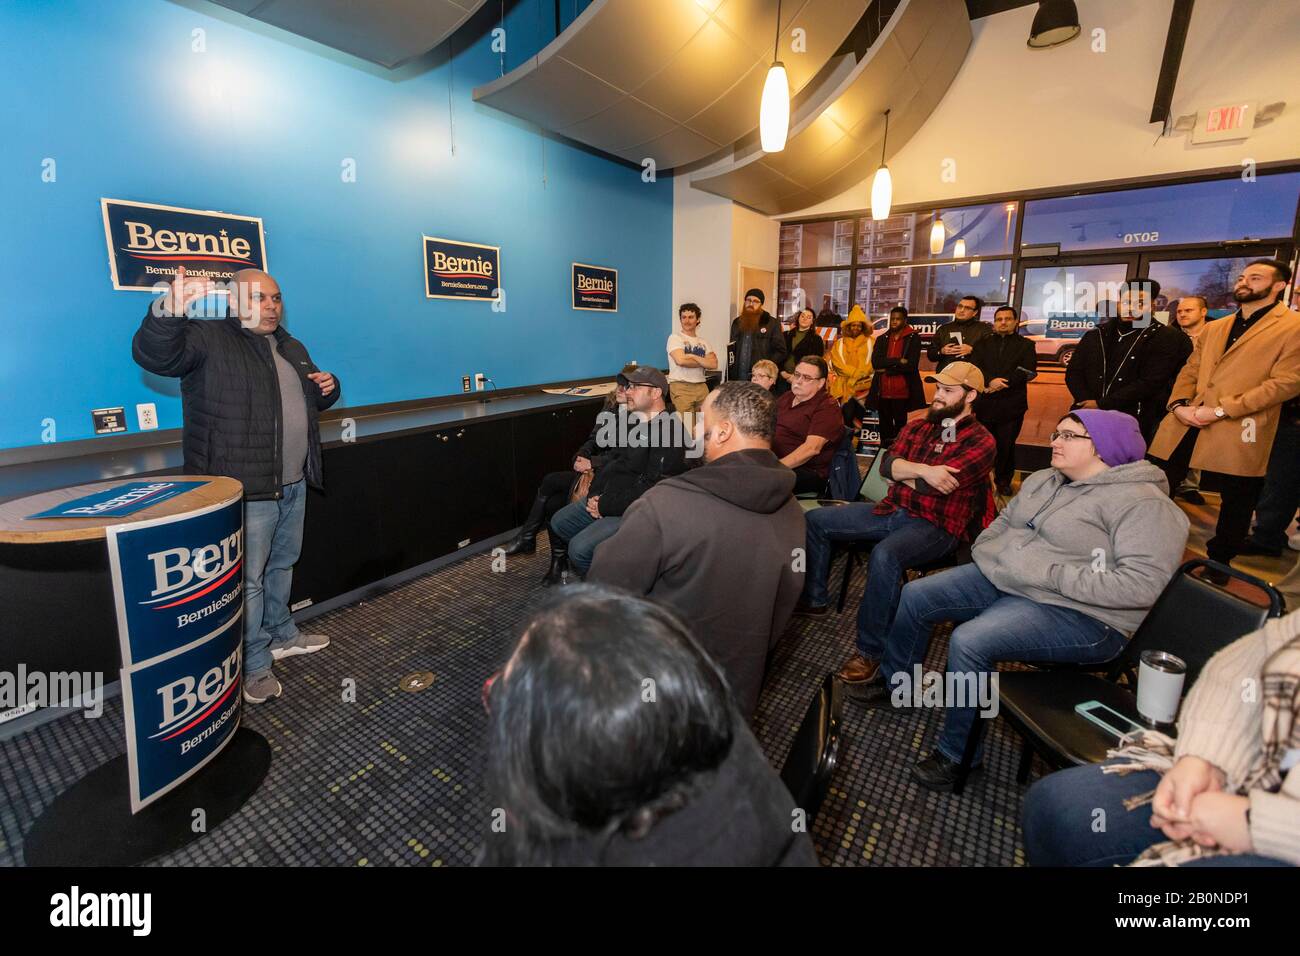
x: 718, y: 544
x: 1065, y: 574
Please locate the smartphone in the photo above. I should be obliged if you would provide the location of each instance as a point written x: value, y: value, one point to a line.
x: 1107, y: 718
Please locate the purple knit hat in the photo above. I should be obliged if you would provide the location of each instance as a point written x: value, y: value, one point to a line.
x: 1115, y: 435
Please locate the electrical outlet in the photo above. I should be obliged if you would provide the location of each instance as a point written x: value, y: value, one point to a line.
x: 147, y: 415
x: 464, y: 383
x: 478, y: 381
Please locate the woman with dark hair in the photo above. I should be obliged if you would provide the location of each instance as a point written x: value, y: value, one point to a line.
x: 613, y: 741
x: 802, y: 340
x: 896, y: 388
x: 553, y: 493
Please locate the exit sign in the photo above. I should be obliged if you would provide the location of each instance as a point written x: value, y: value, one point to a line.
x: 1231, y: 121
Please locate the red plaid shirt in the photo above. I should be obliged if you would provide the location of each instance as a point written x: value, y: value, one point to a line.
x: 971, y: 452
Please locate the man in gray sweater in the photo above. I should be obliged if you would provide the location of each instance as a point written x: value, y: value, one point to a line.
x: 718, y: 544
x: 1065, y: 574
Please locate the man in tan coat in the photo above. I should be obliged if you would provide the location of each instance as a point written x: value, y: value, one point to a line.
x: 1226, y: 404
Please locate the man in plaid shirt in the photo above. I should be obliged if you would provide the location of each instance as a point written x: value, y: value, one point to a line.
x: 940, y: 497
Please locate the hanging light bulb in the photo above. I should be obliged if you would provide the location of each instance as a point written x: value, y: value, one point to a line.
x: 937, y: 236
x: 882, y: 187
x: 774, y: 110
x: 974, y: 268
x: 959, y: 249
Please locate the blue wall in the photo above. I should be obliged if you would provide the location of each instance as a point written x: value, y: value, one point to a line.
x: 259, y: 125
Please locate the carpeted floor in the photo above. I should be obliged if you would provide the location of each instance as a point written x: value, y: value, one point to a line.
x: 387, y: 776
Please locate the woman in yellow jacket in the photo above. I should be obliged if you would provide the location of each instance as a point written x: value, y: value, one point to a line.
x: 850, y: 361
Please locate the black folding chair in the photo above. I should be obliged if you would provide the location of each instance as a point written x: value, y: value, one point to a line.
x: 811, y: 763
x: 1192, y: 619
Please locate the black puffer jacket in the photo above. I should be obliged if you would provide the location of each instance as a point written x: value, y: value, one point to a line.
x: 230, y: 393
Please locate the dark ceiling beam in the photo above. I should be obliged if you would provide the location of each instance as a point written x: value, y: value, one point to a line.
x: 1179, y: 20
x: 986, y: 8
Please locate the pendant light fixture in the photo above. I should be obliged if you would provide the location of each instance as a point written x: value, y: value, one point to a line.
x: 937, y: 236
x: 959, y: 249
x: 974, y: 268
x: 774, y: 111
x: 882, y: 187
x: 1056, y: 22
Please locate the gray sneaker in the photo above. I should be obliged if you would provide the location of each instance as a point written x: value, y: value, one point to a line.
x: 262, y: 687
x: 302, y: 644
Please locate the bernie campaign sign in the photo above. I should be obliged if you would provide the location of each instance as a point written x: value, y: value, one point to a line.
x: 178, y: 584
x: 1070, y: 325
x: 461, y: 270
x: 147, y: 243
x: 595, y: 288
x: 120, y: 500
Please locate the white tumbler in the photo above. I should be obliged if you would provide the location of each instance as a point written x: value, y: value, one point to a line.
x: 1160, y: 686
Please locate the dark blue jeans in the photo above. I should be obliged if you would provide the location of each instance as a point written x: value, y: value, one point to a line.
x: 1063, y: 809
x: 992, y: 626
x: 904, y: 542
x: 574, y: 524
x: 1277, y: 503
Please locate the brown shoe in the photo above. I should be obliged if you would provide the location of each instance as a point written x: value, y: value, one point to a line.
x: 858, y: 670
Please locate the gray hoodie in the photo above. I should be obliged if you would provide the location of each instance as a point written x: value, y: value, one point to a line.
x: 1105, y: 546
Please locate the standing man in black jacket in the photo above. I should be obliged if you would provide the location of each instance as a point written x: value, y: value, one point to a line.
x: 251, y: 397
x: 954, y: 341
x: 1129, y: 363
x: 1008, y: 361
x: 755, y: 335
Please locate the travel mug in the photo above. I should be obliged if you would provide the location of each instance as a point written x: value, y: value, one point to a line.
x: 1160, y: 686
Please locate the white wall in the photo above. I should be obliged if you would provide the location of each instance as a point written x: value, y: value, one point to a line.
x: 1017, y: 118
x: 755, y: 242
x: 702, y: 263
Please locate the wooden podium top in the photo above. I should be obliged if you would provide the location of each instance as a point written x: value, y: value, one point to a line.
x: 16, y: 528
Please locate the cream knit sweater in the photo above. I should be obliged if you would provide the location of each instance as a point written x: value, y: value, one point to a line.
x: 1221, y: 723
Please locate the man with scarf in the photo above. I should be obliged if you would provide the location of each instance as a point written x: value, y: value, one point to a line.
x: 755, y: 335
x: 1008, y: 361
x: 1129, y: 363
x: 850, y: 364
x: 896, y: 387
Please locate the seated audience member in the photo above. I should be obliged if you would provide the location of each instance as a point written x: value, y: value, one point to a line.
x: 764, y: 373
x: 553, y: 494
x: 850, y: 364
x: 613, y: 740
x: 654, y: 450
x: 700, y: 541
x: 801, y: 341
x: 1008, y: 361
x: 1224, y: 794
x: 809, y: 426
x: 1065, y: 574
x: 940, y: 497
x: 896, y: 387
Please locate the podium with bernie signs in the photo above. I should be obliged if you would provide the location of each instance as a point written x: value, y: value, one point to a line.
x: 140, y: 582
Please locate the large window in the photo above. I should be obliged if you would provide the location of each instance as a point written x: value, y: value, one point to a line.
x: 1184, y: 214
x: 811, y: 244
x: 932, y: 290
x: 826, y: 292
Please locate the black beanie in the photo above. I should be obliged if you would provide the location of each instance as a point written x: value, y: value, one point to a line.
x: 757, y: 294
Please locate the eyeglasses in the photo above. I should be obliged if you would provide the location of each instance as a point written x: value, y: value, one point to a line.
x: 1068, y: 436
x: 805, y: 378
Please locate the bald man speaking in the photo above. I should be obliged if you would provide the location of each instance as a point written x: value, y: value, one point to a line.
x: 251, y: 398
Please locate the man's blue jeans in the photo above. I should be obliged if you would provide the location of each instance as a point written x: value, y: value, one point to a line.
x: 272, y: 542
x: 905, y: 542
x: 992, y: 626
x: 1280, y: 497
x: 1060, y: 817
x: 575, y: 525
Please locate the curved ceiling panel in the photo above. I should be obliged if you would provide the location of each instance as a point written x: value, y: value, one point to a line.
x: 387, y: 32
x: 836, y: 130
x: 675, y: 80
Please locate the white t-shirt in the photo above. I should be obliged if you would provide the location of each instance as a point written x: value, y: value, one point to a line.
x: 691, y: 345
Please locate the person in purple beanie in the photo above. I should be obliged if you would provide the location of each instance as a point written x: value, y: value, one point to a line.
x: 1065, y: 574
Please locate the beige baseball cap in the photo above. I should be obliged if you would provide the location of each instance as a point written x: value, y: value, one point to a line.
x: 959, y: 373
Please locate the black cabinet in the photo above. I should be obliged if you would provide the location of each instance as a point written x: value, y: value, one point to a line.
x: 395, y: 502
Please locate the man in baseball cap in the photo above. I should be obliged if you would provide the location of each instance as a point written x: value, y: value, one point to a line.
x: 645, y: 375
x: 962, y: 374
